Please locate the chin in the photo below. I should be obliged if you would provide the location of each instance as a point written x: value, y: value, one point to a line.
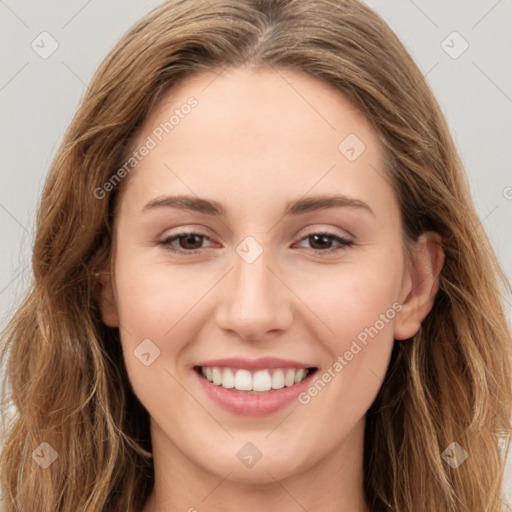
x: 265, y: 471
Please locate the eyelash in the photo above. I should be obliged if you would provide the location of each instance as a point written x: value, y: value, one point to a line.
x: 344, y: 242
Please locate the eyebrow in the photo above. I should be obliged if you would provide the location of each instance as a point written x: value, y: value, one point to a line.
x: 298, y: 207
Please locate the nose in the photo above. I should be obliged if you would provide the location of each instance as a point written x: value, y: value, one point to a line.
x: 255, y: 300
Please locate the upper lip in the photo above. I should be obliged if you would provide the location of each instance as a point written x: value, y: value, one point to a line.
x: 261, y: 363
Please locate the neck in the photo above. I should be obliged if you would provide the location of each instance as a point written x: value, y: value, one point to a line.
x: 334, y: 482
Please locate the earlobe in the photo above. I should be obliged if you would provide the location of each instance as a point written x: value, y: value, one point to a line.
x: 421, y: 285
x: 109, y: 314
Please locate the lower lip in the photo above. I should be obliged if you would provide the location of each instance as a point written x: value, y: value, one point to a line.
x: 253, y: 405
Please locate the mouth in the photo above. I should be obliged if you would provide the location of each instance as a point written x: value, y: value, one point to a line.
x: 254, y: 382
x: 253, y: 387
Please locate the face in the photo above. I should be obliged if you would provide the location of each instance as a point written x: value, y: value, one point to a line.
x: 269, y: 286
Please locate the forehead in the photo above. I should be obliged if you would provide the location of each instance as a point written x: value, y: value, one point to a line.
x: 256, y: 104
x: 247, y: 134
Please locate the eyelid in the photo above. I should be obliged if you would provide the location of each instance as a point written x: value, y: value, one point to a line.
x: 313, y: 229
x: 308, y: 230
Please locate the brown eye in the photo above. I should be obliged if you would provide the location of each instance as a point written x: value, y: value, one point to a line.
x: 190, y: 241
x: 323, y: 242
x: 320, y: 241
x: 184, y: 243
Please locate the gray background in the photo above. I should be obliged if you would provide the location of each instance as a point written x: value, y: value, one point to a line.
x: 38, y: 97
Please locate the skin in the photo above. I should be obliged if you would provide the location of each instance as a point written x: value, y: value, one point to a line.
x: 257, y: 139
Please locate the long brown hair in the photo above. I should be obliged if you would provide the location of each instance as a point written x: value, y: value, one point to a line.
x: 65, y: 373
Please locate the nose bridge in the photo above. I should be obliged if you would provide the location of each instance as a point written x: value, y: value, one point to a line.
x: 255, y: 300
x: 252, y: 282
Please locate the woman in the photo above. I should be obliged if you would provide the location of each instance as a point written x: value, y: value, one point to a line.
x: 338, y: 344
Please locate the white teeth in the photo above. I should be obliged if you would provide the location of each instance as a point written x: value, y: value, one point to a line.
x: 216, y: 376
x: 289, y: 378
x: 299, y: 375
x: 228, y: 379
x: 259, y: 381
x: 243, y: 380
x: 278, y: 379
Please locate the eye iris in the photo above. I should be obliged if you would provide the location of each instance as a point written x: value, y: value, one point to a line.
x: 325, y: 238
x: 189, y: 239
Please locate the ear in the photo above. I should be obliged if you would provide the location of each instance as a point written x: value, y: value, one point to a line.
x: 107, y: 302
x: 420, y: 284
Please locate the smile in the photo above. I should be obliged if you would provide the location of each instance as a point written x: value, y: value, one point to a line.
x: 253, y: 387
x: 260, y: 381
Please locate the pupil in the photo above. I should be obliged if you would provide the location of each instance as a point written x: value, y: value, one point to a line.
x: 325, y: 238
x: 189, y: 239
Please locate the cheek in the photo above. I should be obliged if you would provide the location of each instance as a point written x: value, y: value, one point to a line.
x: 156, y: 308
x: 352, y: 297
x: 152, y: 297
x: 359, y: 305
